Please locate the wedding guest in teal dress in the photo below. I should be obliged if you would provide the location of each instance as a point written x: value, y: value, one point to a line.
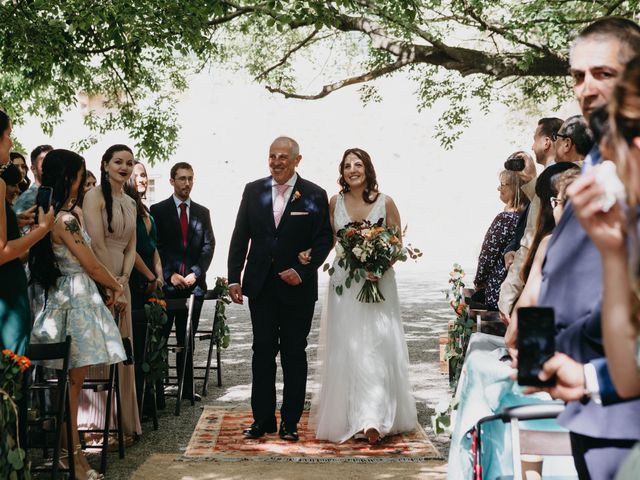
x: 146, y: 276
x: 14, y: 302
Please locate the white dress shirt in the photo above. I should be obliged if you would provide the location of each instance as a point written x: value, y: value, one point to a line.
x: 287, y: 195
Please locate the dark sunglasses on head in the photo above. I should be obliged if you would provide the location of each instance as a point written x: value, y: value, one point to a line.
x: 555, y: 135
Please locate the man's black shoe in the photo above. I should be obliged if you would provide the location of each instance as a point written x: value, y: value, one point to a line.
x: 256, y: 430
x: 289, y: 432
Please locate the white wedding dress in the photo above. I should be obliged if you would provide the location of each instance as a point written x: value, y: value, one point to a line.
x: 363, y: 358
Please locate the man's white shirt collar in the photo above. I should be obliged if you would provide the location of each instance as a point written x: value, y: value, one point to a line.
x: 178, y: 201
x: 291, y: 182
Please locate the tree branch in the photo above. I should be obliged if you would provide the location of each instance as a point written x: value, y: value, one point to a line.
x: 287, y: 55
x: 328, y: 89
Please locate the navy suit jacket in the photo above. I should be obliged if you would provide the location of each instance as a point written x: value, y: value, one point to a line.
x: 197, y: 254
x: 572, y: 285
x: 304, y: 224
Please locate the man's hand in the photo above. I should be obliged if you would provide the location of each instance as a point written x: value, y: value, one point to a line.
x: 305, y: 257
x: 529, y: 172
x: 190, y: 279
x: 569, y: 378
x: 235, y: 292
x: 27, y: 218
x: 178, y: 281
x: 290, y: 277
x: 508, y: 259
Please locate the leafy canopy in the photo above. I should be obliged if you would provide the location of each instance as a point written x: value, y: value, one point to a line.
x: 135, y: 56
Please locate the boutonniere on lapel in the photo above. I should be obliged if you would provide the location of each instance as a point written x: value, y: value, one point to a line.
x: 295, y: 196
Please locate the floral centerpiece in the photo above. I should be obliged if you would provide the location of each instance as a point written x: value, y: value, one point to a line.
x: 366, y: 251
x: 12, y: 369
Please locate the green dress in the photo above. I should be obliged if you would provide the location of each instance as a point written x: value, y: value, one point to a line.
x: 146, y: 244
x: 15, y: 315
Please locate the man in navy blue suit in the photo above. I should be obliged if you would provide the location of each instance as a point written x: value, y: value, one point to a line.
x: 185, y: 244
x: 601, y: 435
x: 279, y: 217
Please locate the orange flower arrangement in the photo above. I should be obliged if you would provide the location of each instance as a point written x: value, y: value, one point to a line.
x: 23, y: 362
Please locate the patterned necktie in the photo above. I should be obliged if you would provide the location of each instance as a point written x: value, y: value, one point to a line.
x: 278, y: 204
x: 184, y: 224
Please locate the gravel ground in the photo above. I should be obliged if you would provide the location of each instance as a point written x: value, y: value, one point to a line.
x: 425, y: 315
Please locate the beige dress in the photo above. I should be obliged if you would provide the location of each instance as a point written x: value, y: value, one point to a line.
x: 92, y: 405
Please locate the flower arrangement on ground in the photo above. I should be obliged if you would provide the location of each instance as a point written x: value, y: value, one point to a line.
x: 221, y: 332
x: 12, y: 369
x: 156, y: 364
x: 460, y: 330
x: 366, y: 251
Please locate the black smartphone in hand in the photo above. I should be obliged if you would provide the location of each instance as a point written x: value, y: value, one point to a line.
x: 536, y: 344
x: 43, y: 199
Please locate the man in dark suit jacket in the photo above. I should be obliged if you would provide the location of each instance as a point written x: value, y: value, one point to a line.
x: 280, y: 216
x: 185, y: 245
x: 601, y: 436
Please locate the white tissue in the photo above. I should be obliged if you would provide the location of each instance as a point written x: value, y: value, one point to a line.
x: 608, y: 179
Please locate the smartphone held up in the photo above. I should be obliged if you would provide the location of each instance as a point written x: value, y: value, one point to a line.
x: 43, y: 199
x: 536, y: 344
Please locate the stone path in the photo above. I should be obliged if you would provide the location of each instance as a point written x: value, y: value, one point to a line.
x: 425, y: 315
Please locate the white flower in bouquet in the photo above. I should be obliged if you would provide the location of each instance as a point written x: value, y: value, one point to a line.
x: 339, y: 251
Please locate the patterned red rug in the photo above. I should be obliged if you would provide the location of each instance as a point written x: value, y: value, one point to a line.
x: 218, y: 435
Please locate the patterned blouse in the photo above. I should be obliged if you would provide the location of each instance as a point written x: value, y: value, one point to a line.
x: 491, y: 271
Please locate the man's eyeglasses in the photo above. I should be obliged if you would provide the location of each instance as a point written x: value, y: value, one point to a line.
x: 555, y: 135
x: 556, y: 201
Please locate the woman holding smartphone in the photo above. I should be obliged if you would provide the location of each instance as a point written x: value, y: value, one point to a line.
x: 14, y: 302
x: 66, y: 268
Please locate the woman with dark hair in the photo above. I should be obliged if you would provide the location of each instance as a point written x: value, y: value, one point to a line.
x: 90, y: 182
x: 15, y: 315
x: 491, y: 270
x: 12, y: 177
x: 64, y: 265
x: 19, y: 161
x: 110, y: 216
x: 363, y: 357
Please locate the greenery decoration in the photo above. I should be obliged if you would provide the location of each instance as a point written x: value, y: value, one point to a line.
x: 460, y: 331
x: 156, y: 364
x: 221, y: 331
x: 12, y: 457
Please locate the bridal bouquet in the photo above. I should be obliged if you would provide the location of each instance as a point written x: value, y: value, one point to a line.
x: 366, y: 250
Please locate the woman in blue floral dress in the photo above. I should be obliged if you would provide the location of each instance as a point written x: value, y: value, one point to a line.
x: 67, y: 269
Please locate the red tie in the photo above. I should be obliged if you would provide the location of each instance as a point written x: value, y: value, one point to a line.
x: 184, y: 224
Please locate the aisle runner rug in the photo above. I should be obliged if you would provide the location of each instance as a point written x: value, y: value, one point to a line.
x: 218, y: 436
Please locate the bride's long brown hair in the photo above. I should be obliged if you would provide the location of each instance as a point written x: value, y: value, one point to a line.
x: 369, y: 173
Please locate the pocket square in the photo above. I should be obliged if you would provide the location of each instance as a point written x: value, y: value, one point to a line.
x: 299, y: 213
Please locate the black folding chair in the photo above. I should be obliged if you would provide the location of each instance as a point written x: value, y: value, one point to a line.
x: 181, y: 305
x: 47, y: 422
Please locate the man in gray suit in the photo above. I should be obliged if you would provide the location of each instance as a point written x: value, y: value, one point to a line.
x: 601, y: 436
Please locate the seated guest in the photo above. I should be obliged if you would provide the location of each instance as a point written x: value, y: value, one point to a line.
x: 550, y: 188
x: 19, y: 161
x: 573, y: 141
x: 491, y: 270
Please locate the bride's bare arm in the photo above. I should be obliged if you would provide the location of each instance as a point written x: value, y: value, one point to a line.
x: 393, y: 215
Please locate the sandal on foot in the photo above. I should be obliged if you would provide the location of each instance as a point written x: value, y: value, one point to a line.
x: 373, y: 436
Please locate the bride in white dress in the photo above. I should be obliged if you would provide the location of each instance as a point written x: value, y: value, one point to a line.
x: 362, y: 353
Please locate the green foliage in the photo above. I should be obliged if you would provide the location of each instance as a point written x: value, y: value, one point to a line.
x: 12, y: 458
x: 156, y: 364
x: 221, y: 332
x: 136, y: 56
x: 460, y: 330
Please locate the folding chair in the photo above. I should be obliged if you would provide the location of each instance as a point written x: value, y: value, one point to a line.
x: 208, y: 334
x: 144, y: 388
x: 181, y: 305
x: 50, y: 420
x: 535, y: 442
